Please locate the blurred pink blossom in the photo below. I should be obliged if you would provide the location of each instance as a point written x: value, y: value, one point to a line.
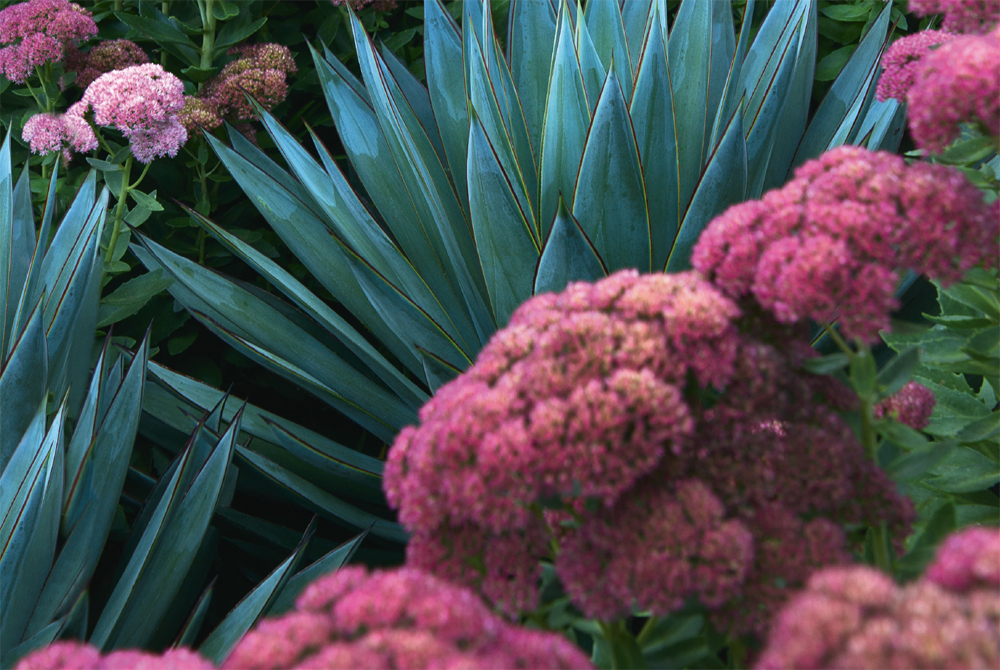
x: 902, y: 60
x: 39, y: 32
x: 961, y: 16
x: 911, y: 405
x: 80, y: 656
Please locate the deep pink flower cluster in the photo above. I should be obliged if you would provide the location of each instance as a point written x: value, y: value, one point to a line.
x: 142, y: 102
x: 80, y: 656
x: 46, y: 133
x: 911, y: 405
x: 105, y: 57
x: 39, y: 32
x: 260, y: 70
x: 403, y: 618
x: 901, y: 62
x: 961, y: 16
x: 959, y: 82
x: 832, y: 242
x: 856, y: 617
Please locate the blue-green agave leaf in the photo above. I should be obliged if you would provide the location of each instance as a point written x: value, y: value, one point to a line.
x: 168, y: 546
x: 652, y: 112
x: 591, y: 68
x: 723, y: 184
x: 16, y: 252
x: 882, y: 128
x: 42, y: 638
x: 530, y: 46
x: 67, y: 235
x: 507, y: 249
x: 331, y: 562
x: 221, y: 641
x: 568, y: 256
x: 567, y: 119
x: 770, y: 45
x: 733, y: 92
x: 610, y: 201
x: 192, y: 626
x: 8, y: 285
x: 442, y: 49
x: 607, y: 31
x: 417, y: 97
x: 22, y: 384
x: 844, y: 104
x: 437, y: 371
x: 635, y: 16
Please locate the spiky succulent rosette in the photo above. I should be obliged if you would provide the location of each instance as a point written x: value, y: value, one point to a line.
x: 832, y: 243
x: 856, y: 617
x: 594, y: 422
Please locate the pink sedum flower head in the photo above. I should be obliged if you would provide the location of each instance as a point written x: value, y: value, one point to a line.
x: 961, y: 16
x: 260, y: 70
x: 902, y: 60
x: 46, y: 133
x: 830, y: 244
x: 911, y: 405
x: 38, y: 32
x: 105, y: 57
x: 957, y: 83
x: 356, y: 5
x: 402, y: 618
x: 79, y: 656
x: 856, y: 617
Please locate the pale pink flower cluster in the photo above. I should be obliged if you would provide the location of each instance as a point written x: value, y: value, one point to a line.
x: 379, y: 5
x: 402, y: 618
x: 142, y: 102
x: 80, y: 656
x: 901, y: 62
x: 38, y: 32
x: 105, y: 57
x: 911, y: 405
x: 46, y: 133
x: 831, y: 244
x: 959, y: 82
x: 856, y: 617
x: 260, y: 70
x: 961, y: 16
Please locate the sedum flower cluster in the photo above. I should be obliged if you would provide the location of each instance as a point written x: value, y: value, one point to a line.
x: 901, y: 62
x: 911, y: 405
x: 79, y: 656
x: 961, y: 16
x: 141, y: 102
x: 594, y: 424
x: 47, y: 133
x: 856, y: 617
x: 402, y: 618
x: 832, y: 242
x: 38, y: 32
x: 104, y: 57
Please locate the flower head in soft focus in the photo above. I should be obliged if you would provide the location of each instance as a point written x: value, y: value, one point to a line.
x: 402, y: 618
x: 378, y: 5
x: 856, y: 617
x: 105, y: 57
x: 141, y: 101
x: 198, y: 112
x: 911, y: 405
x: 39, y: 32
x: 80, y: 656
x: 831, y: 244
x: 260, y: 70
x: 959, y: 82
x: 961, y: 16
x: 902, y: 60
x: 46, y: 133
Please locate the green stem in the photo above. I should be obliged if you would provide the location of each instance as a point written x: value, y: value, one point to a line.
x: 207, y: 33
x: 880, y: 545
x: 120, y: 210
x: 119, y: 5
x: 647, y: 628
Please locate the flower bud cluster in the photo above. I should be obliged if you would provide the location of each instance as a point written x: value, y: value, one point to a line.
x: 104, y: 57
x: 259, y: 70
x: 39, y: 32
x: 831, y: 244
x: 856, y: 617
x: 79, y: 656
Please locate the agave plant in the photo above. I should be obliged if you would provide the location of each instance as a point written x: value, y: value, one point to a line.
x: 600, y: 139
x: 65, y: 451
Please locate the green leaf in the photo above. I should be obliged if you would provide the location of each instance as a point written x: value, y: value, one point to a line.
x: 848, y: 12
x: 131, y: 296
x: 199, y: 75
x: 964, y: 470
x: 901, y: 434
x: 610, y: 199
x: 917, y: 464
x: 625, y: 651
x: 235, y: 32
x: 982, y: 429
x: 898, y: 372
x: 922, y: 551
x: 164, y: 33
x: 104, y: 166
x: 22, y: 385
x: 831, y: 65
x: 825, y: 365
x: 568, y: 256
x: 148, y: 201
x: 223, y: 10
x: 863, y: 374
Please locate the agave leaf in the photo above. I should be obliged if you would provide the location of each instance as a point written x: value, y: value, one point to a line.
x: 437, y: 372
x: 442, y: 49
x: 22, y: 384
x: 417, y: 97
x: 30, y: 502
x: 331, y: 562
x: 568, y: 256
x: 733, y: 92
x: 472, y: 26
x: 840, y: 111
x: 882, y: 128
x: 507, y: 249
x: 610, y: 201
x: 635, y: 16
x: 61, y: 248
x: 192, y: 626
x: 319, y: 501
x: 723, y: 184
x: 16, y: 251
x: 652, y: 112
x: 770, y: 45
x: 42, y: 638
x: 8, y: 286
x: 591, y: 68
x: 567, y: 119
x: 607, y: 31
x: 221, y: 641
x: 530, y: 45
x: 438, y: 209
x: 168, y: 545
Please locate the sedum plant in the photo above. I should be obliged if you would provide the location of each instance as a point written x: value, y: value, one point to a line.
x: 599, y: 140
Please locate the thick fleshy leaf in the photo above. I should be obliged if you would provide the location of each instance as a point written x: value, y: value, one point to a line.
x: 567, y: 118
x: 530, y: 45
x: 733, y: 91
x: 221, y: 641
x: 22, y: 384
x: 635, y: 16
x: 591, y: 68
x: 192, y: 627
x: 331, y: 562
x: 417, y: 97
x: 652, y: 112
x: 607, y: 30
x: 437, y: 372
x: 507, y: 249
x: 882, y: 128
x: 16, y: 251
x: 7, y: 286
x: 723, y: 184
x: 610, y: 201
x: 568, y: 256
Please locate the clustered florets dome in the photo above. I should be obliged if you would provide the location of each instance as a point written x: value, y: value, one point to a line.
x: 39, y: 32
x: 105, y: 57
